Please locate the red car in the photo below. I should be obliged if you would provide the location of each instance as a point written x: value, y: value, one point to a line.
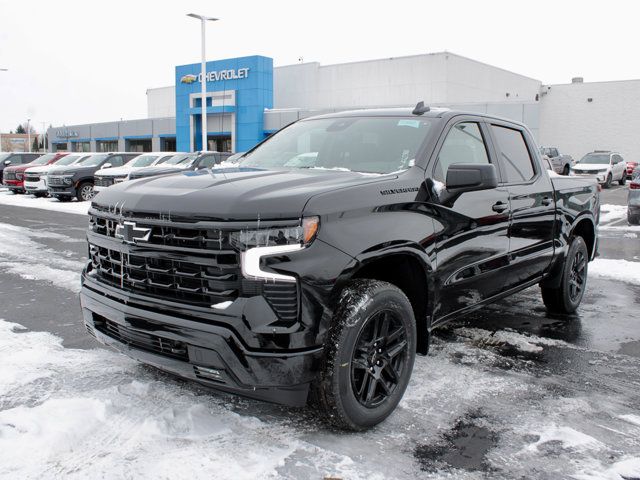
x: 14, y: 176
x: 630, y: 167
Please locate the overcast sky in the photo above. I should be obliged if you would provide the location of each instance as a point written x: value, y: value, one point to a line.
x: 85, y: 61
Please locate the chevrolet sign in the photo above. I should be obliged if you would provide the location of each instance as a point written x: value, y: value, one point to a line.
x: 216, y: 76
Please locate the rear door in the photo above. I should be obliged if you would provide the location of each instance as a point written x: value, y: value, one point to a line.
x: 531, y: 196
x: 472, y: 244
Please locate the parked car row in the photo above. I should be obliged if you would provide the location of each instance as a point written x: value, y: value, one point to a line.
x: 81, y: 175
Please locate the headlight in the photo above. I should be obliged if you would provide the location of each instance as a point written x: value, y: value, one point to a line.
x: 602, y: 170
x: 119, y: 179
x: 67, y: 180
x: 273, y: 241
x: 302, y: 234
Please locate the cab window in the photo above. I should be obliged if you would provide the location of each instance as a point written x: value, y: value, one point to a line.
x: 515, y: 160
x: 464, y: 144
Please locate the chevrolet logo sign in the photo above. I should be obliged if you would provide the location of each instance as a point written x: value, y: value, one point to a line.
x: 129, y: 233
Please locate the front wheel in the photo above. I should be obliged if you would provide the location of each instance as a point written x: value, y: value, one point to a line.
x: 566, y: 170
x: 623, y: 180
x: 369, y: 355
x: 85, y: 192
x: 607, y: 184
x: 567, y: 296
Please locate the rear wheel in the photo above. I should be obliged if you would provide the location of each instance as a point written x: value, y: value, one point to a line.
x: 566, y: 170
x: 607, y: 184
x: 85, y: 192
x: 369, y: 356
x: 567, y: 296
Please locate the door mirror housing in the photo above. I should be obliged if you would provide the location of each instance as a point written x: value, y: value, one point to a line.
x: 467, y: 177
x: 471, y: 177
x: 107, y: 165
x: 7, y: 163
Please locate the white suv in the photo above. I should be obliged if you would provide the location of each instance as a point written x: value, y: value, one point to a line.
x: 605, y: 165
x: 35, y: 181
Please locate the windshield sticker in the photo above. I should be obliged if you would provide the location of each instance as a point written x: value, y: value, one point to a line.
x: 409, y: 123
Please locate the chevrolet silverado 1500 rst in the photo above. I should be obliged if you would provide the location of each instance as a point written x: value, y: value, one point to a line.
x: 320, y: 280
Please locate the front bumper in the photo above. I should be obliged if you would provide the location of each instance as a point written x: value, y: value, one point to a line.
x: 63, y: 191
x: 35, y: 187
x: 207, y: 350
x: 14, y: 185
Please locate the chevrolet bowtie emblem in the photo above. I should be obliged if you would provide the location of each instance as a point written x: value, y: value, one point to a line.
x: 129, y: 233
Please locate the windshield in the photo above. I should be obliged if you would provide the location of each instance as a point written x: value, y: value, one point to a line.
x: 546, y: 151
x: 44, y: 159
x: 143, y: 161
x: 4, y: 155
x: 591, y: 159
x: 360, y: 144
x: 182, y: 159
x: 92, y: 160
x: 67, y: 160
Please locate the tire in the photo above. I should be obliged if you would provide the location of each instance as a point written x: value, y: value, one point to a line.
x: 364, y: 373
x: 633, y: 220
x: 566, y: 170
x: 567, y: 296
x: 62, y: 198
x: 85, y: 192
x: 623, y: 179
x: 39, y: 194
x: 607, y: 184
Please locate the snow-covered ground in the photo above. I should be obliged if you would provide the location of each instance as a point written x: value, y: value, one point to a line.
x: 8, y: 198
x: 97, y: 414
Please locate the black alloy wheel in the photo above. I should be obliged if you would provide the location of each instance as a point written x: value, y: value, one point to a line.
x: 577, y: 275
x: 379, y: 358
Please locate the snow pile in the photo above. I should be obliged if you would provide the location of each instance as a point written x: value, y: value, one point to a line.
x: 627, y: 469
x: 621, y: 270
x: 566, y: 436
x: 520, y: 341
x: 630, y: 418
x: 80, y: 208
x: 40, y: 262
x: 611, y: 213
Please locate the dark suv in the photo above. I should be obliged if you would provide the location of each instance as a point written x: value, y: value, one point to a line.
x: 12, y: 158
x: 76, y: 180
x: 317, y: 267
x: 183, y: 162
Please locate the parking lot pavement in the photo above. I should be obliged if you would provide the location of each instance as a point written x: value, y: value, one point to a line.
x: 507, y: 392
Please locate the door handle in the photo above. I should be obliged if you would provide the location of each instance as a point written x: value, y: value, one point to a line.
x: 499, y: 207
x: 546, y: 201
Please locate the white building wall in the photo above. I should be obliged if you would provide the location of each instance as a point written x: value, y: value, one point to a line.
x: 610, y: 121
x: 442, y: 78
x: 161, y: 102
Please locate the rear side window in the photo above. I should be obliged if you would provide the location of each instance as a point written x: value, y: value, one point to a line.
x: 464, y: 144
x: 207, y: 162
x: 115, y: 161
x: 514, y: 155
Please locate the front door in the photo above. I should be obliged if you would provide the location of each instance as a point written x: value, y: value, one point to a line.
x: 472, y: 244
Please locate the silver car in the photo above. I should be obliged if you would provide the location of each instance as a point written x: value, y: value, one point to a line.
x: 633, y: 201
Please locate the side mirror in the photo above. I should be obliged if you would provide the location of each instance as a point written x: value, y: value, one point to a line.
x: 7, y: 163
x: 107, y: 165
x: 468, y: 177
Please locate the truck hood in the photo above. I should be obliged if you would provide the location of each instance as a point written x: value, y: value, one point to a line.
x: 160, y: 170
x: 229, y: 194
x: 70, y: 169
x: 42, y: 169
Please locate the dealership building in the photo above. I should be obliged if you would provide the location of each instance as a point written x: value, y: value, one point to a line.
x: 247, y: 99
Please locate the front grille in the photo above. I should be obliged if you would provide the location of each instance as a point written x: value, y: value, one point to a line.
x: 32, y: 177
x: 55, y: 181
x: 10, y: 176
x: 167, y: 235
x: 193, y: 265
x: 141, y: 340
x: 103, y: 181
x: 212, y: 280
x: 587, y: 172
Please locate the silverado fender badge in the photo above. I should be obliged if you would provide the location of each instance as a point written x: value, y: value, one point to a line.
x: 129, y: 233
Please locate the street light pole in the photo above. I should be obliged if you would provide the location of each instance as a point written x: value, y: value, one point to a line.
x: 29, y: 134
x: 203, y: 77
x: 44, y: 136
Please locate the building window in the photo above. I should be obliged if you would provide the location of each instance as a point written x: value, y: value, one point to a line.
x: 107, y: 146
x: 81, y: 147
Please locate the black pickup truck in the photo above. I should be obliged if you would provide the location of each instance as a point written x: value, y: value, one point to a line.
x: 317, y: 269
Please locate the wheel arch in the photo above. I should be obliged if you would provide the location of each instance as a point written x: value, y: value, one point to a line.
x: 408, y: 268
